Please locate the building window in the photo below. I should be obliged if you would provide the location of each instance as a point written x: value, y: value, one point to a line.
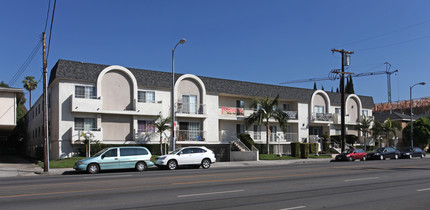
x: 189, y: 104
x: 146, y: 96
x: 85, y: 124
x: 145, y: 126
x: 365, y: 113
x: 337, y: 110
x: 240, y: 129
x: 286, y: 107
x: 319, y: 109
x: 257, y: 132
x: 85, y: 91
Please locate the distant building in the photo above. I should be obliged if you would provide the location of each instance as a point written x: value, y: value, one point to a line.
x: 118, y: 105
x: 8, y: 104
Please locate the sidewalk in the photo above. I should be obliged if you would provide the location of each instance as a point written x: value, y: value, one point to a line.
x: 31, y: 169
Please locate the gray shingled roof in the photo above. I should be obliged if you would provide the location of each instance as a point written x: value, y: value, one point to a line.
x: 88, y: 72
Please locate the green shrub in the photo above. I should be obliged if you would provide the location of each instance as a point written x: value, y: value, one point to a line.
x: 304, y: 150
x: 313, y: 148
x: 326, y: 147
x: 295, y: 149
x: 262, y: 148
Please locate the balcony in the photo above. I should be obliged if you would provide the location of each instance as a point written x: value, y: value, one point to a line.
x: 190, y: 135
x: 292, y: 115
x: 191, y: 110
x: 322, y: 117
x: 148, y: 107
x: 81, y: 104
x: 283, y: 137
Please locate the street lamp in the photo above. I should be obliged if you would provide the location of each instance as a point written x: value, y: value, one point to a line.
x: 182, y: 41
x: 412, y: 126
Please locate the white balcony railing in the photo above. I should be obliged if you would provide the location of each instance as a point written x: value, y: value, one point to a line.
x: 292, y: 115
x: 322, y: 117
x: 85, y: 104
x: 187, y: 108
x: 190, y: 135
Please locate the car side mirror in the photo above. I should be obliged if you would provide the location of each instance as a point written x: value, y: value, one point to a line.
x: 179, y: 154
x: 103, y: 156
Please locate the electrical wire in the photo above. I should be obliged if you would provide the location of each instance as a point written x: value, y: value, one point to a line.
x: 27, y: 62
x: 47, y: 15
x: 50, y: 29
x: 393, y: 44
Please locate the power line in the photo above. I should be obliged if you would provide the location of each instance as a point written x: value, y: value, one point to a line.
x: 393, y: 44
x: 47, y: 16
x: 27, y: 62
x: 387, y: 33
x: 50, y: 29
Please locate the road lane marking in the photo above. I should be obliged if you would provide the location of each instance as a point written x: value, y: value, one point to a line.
x: 423, y: 189
x: 100, y: 177
x: 361, y: 179
x: 210, y: 193
x: 297, y: 207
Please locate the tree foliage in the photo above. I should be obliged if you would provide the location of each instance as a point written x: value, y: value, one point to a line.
x: 421, y: 132
x: 267, y: 109
x: 162, y: 124
x: 29, y: 84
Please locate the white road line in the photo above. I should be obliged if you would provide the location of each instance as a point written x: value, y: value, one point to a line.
x: 361, y: 179
x: 210, y: 193
x: 297, y: 207
x: 101, y: 177
x: 423, y: 189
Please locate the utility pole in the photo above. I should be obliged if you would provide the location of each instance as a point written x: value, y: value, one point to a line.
x: 45, y: 110
x: 345, y: 62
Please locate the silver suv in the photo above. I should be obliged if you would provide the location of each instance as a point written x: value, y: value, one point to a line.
x: 191, y: 156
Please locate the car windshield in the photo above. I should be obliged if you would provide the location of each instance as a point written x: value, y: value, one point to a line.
x: 348, y: 151
x: 174, y: 152
x: 100, y: 152
x: 380, y: 150
x: 407, y: 150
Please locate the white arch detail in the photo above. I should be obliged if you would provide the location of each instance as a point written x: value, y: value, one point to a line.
x: 325, y: 95
x: 352, y: 97
x: 120, y: 68
x: 194, y: 77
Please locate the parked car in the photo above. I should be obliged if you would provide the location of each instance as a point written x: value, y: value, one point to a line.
x: 412, y: 152
x: 139, y: 158
x: 187, y: 156
x: 352, y: 154
x: 383, y: 153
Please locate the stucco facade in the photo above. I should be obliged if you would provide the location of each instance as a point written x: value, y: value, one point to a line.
x: 117, y: 105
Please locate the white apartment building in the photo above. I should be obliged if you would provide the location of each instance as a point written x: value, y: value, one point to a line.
x: 117, y: 105
x: 8, y: 104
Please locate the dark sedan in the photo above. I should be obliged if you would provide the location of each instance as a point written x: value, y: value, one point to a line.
x: 383, y: 153
x: 412, y: 152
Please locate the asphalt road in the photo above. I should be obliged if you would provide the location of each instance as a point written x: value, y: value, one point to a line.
x: 389, y: 184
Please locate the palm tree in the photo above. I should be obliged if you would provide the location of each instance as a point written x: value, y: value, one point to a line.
x: 162, y: 125
x: 266, y: 110
x: 390, y: 127
x: 30, y: 84
x: 377, y: 130
x: 364, y: 127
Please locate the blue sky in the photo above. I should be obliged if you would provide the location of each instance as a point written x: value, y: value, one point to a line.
x: 258, y: 41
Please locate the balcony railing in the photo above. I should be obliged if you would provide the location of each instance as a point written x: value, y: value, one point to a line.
x: 191, y: 135
x: 187, y: 108
x: 322, y: 117
x: 283, y: 137
x: 292, y: 115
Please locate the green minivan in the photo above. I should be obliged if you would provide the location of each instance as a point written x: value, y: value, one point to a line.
x: 125, y: 157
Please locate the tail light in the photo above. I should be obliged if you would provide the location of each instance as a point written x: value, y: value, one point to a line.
x: 150, y: 158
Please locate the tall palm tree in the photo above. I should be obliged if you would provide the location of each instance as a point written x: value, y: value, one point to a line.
x: 364, y: 126
x: 30, y: 84
x: 162, y: 125
x: 390, y: 127
x: 266, y: 110
x: 377, y: 130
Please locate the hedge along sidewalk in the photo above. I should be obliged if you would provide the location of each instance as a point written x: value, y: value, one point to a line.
x: 288, y: 157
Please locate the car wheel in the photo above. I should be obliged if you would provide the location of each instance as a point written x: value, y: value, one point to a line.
x: 396, y: 156
x: 93, y: 168
x: 206, y: 163
x: 140, y: 166
x: 350, y: 159
x: 381, y: 157
x: 364, y: 158
x: 410, y: 156
x: 172, y: 164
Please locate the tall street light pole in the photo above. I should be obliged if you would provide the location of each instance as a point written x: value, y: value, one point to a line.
x: 412, y: 124
x: 182, y: 41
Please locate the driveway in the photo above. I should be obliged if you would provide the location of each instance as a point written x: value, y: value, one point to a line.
x: 12, y: 165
